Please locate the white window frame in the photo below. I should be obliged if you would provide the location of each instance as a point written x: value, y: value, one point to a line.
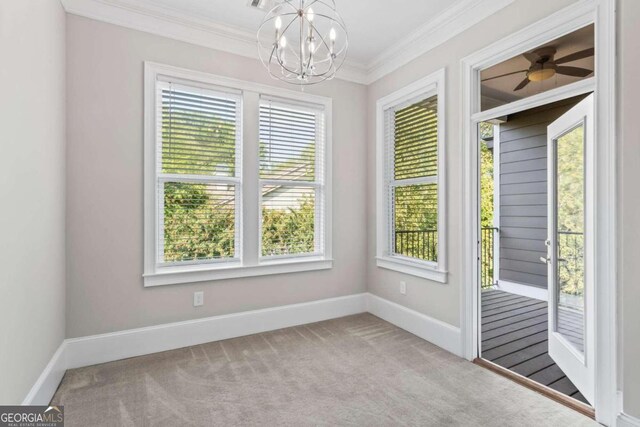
x: 236, y: 179
x: 318, y: 184
x: 433, y: 84
x: 247, y: 262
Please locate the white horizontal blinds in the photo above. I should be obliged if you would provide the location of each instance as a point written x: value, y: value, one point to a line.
x: 416, y: 140
x: 412, y: 168
x: 287, y: 143
x: 291, y: 172
x: 198, y: 174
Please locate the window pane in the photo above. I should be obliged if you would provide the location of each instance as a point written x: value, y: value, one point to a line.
x: 570, y: 266
x: 287, y: 143
x: 198, y: 133
x: 565, y: 60
x: 199, y: 221
x: 415, y: 213
x: 288, y: 220
x: 416, y: 140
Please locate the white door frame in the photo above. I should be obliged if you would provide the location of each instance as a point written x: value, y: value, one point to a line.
x: 602, y: 13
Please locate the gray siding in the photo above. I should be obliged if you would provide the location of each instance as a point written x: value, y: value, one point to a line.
x: 523, y: 194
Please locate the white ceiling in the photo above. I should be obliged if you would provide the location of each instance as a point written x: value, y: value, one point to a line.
x: 373, y: 25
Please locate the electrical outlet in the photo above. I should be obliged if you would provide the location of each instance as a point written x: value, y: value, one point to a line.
x: 198, y: 299
x: 403, y: 288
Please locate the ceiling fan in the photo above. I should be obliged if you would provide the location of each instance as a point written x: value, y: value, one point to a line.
x: 544, y: 66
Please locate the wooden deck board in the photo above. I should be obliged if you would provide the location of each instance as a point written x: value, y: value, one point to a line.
x: 548, y: 375
x: 514, y: 346
x: 514, y: 335
x: 503, y: 303
x: 498, y: 331
x: 536, y: 314
x: 490, y: 311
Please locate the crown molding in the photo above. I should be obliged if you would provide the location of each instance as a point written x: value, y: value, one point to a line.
x: 174, y: 24
x: 169, y: 22
x: 453, y: 21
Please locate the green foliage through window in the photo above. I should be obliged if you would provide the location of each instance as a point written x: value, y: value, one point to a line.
x: 415, y: 158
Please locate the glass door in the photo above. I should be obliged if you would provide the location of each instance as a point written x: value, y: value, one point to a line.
x: 570, y: 245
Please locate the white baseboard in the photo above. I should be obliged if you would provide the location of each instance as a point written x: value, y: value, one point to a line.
x: 524, y: 290
x: 91, y: 350
x: 435, y: 331
x: 47, y: 383
x: 625, y: 420
x: 103, y: 348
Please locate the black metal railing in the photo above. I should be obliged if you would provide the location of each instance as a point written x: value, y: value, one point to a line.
x: 421, y: 244
x: 487, y: 253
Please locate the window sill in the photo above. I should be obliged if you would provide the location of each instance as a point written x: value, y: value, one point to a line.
x: 177, y: 275
x: 413, y: 268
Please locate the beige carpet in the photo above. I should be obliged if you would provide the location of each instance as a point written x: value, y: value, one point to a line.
x: 358, y: 370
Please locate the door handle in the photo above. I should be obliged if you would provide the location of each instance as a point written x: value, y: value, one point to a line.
x: 546, y: 260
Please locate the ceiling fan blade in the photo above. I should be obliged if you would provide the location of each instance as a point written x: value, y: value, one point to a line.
x: 504, y: 75
x: 522, y: 84
x: 573, y: 71
x: 586, y: 53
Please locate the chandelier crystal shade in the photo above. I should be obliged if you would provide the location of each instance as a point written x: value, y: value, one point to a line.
x: 303, y: 42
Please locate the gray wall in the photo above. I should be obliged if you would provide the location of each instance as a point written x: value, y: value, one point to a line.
x: 523, y: 194
x: 629, y: 202
x: 436, y: 300
x: 32, y: 191
x: 105, y: 194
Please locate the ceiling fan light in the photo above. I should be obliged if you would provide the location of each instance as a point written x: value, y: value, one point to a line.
x: 540, y: 75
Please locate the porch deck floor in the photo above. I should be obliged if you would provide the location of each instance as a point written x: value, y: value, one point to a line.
x: 514, y: 336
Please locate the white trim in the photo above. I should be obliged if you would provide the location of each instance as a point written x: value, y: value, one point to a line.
x: 190, y: 76
x: 625, y: 420
x: 435, y: 331
x: 169, y: 22
x: 575, y: 16
x: 85, y: 351
x: 252, y: 265
x: 524, y: 290
x: 174, y: 24
x: 433, y: 84
x: 265, y: 268
x: 49, y: 380
x: 103, y: 348
x: 574, y: 89
x: 424, y: 270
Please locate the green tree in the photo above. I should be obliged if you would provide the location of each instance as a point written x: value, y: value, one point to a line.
x: 290, y: 230
x: 486, y: 185
x: 570, y: 215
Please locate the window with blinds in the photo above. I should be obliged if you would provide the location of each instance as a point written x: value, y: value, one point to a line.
x: 412, y: 179
x: 198, y: 174
x: 292, y: 179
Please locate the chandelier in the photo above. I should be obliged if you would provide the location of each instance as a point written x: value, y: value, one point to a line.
x: 303, y: 42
